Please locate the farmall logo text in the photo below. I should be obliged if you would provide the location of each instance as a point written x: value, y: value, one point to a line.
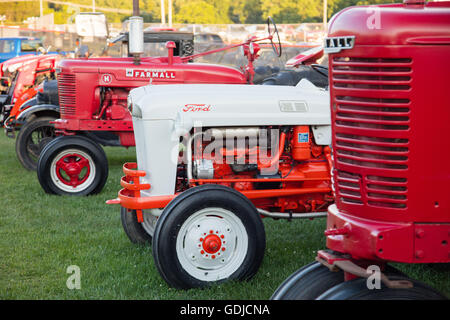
x: 336, y: 44
x: 196, y: 107
x: 153, y: 74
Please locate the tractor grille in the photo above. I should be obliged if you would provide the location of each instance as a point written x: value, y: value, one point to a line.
x: 371, y: 119
x: 67, y: 94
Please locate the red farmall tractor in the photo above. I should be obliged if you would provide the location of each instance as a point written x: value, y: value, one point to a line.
x: 389, y: 107
x: 93, y: 106
x: 38, y: 107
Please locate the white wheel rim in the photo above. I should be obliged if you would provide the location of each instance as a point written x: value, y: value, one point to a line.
x: 192, y: 239
x: 63, y: 186
x: 150, y: 219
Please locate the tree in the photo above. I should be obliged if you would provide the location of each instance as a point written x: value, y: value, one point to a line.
x: 197, y: 11
x: 288, y: 11
x: 193, y: 11
x: 246, y: 11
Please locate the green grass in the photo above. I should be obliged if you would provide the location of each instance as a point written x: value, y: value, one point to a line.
x: 41, y: 235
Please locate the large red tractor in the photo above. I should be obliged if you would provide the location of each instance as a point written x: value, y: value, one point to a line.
x: 390, y: 108
x: 38, y: 106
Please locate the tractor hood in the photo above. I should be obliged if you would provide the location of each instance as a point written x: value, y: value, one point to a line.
x: 165, y: 113
x: 415, y: 22
x: 158, y: 70
x: 232, y: 105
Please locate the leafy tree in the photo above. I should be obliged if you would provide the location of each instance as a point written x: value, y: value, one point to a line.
x: 287, y: 11
x: 19, y: 11
x: 193, y: 11
x: 197, y: 11
x: 246, y: 11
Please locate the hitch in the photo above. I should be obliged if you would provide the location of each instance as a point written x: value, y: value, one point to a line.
x: 336, y: 262
x: 9, y: 127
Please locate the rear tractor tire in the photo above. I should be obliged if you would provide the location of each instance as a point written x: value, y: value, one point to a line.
x: 207, y: 235
x: 34, y: 135
x: 308, y: 283
x: 72, y: 165
x: 312, y: 280
x: 357, y: 290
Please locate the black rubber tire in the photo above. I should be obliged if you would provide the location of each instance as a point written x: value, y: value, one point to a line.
x: 357, y: 290
x: 133, y: 229
x: 293, y: 77
x: 308, y: 283
x: 58, y: 145
x: 186, y: 204
x: 27, y: 157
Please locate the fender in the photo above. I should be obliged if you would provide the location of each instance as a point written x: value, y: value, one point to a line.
x: 307, y: 57
x: 26, y: 114
x: 11, y: 121
x: 27, y: 104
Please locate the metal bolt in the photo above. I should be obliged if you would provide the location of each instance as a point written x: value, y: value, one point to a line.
x: 420, y: 254
x: 420, y: 233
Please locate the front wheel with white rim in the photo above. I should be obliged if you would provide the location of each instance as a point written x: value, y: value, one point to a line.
x: 206, y: 235
x: 72, y: 165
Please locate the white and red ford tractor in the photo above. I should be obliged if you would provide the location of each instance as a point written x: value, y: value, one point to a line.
x: 211, y: 161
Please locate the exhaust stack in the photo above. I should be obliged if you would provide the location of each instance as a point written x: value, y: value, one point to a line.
x: 136, y: 38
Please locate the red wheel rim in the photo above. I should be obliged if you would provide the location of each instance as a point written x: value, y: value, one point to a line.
x: 70, y: 169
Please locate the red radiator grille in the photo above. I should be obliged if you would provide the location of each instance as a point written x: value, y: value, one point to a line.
x: 349, y: 187
x: 371, y: 120
x: 67, y: 93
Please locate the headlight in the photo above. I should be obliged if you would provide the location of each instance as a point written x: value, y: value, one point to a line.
x: 136, y: 112
x: 129, y: 104
x: 134, y: 108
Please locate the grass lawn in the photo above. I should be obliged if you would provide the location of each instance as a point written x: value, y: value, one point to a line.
x: 41, y: 235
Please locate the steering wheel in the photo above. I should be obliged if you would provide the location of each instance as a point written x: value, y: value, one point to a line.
x: 276, y: 46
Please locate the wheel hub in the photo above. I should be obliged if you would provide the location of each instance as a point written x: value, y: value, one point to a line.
x: 72, y: 170
x: 211, y: 243
x: 72, y: 165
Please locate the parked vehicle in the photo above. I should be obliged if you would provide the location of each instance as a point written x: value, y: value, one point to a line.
x: 391, y: 189
x: 155, y: 40
x: 18, y: 46
x: 246, y: 152
x: 20, y: 78
x: 93, y: 108
x: 35, y: 110
x: 207, y: 38
x: 207, y: 41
